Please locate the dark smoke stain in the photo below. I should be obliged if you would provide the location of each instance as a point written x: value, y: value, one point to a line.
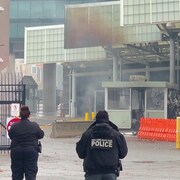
x: 88, y: 27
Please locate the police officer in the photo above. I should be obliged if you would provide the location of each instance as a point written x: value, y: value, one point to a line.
x: 24, y: 146
x: 102, y: 146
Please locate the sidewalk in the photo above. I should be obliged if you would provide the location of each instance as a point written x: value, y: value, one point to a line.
x: 146, y: 160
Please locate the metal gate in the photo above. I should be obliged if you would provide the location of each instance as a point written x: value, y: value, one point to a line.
x: 12, y: 90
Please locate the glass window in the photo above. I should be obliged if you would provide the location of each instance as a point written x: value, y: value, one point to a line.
x: 36, y: 9
x: 155, y: 99
x: 13, y: 30
x: 49, y: 9
x: 78, y: 1
x: 20, y: 33
x: 24, y: 9
x: 13, y: 10
x: 119, y: 98
x: 33, y: 69
x: 60, y: 6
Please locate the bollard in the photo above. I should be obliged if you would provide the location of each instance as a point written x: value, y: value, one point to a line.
x: 86, y: 116
x: 92, y: 115
x: 178, y: 133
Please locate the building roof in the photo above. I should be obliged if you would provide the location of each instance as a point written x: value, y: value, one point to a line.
x: 29, y: 81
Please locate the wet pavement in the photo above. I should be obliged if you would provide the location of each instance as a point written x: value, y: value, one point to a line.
x: 146, y: 160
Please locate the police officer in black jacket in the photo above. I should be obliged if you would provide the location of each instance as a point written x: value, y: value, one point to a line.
x: 24, y: 146
x: 102, y: 146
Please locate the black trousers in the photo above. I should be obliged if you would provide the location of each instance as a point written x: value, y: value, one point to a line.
x: 24, y: 162
x: 109, y: 176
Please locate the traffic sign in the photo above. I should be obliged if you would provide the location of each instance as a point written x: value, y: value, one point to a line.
x: 10, y: 121
x: 15, y: 109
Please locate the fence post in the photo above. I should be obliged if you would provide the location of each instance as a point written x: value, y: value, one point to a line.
x: 178, y: 133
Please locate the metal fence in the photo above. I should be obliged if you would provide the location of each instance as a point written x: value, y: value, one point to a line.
x: 11, y: 91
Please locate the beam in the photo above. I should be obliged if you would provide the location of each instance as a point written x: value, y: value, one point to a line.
x: 146, y: 50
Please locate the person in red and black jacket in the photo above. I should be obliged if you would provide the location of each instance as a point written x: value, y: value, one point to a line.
x: 24, y: 137
x: 102, y: 147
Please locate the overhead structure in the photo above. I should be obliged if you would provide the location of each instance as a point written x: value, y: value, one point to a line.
x: 137, y: 24
x: 45, y: 44
x: 137, y: 28
x: 101, y: 24
x: 163, y: 13
x: 150, y: 11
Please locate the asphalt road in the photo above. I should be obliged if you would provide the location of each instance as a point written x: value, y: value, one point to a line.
x: 146, y: 160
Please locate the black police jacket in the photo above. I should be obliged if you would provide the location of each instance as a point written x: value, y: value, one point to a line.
x: 25, y: 133
x: 102, y: 147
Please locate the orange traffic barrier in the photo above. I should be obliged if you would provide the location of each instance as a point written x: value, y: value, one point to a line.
x: 157, y: 129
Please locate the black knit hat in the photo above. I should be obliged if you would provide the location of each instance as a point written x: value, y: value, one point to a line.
x: 24, y: 112
x: 102, y: 116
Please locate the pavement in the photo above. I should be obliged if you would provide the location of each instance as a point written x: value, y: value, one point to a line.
x: 146, y: 160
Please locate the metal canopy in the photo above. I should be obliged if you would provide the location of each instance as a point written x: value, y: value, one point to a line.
x: 139, y: 84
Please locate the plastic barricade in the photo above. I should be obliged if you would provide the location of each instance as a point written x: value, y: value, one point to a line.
x: 157, y: 129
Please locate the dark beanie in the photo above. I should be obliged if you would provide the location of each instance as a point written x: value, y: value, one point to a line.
x: 102, y: 116
x: 24, y: 112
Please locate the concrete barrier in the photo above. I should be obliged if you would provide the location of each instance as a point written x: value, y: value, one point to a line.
x: 61, y: 129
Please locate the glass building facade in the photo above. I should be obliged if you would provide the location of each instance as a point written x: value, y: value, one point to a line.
x: 46, y: 45
x: 28, y: 13
x: 151, y: 11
